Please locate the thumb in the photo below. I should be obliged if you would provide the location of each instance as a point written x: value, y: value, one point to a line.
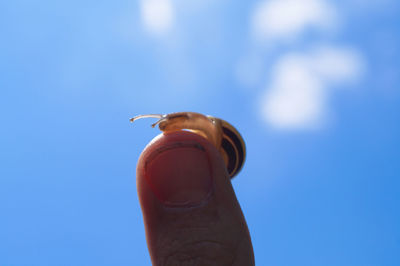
x: 191, y: 213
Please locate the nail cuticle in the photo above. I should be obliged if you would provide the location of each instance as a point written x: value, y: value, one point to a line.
x: 189, y: 206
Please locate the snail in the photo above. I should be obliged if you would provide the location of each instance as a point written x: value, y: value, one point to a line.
x: 220, y: 133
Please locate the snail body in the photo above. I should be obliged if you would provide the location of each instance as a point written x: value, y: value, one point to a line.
x: 220, y: 133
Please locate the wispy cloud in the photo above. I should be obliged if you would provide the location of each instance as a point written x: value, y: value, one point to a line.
x: 297, y: 92
x: 158, y: 16
x: 288, y: 19
x: 297, y: 95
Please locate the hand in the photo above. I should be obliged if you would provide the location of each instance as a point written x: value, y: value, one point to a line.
x: 191, y: 213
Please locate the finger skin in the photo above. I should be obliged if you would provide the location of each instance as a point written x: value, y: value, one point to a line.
x: 211, y: 233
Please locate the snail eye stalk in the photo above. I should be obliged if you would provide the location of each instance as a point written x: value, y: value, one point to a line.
x: 133, y: 119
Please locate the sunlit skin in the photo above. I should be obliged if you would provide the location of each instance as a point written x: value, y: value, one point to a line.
x: 203, y: 227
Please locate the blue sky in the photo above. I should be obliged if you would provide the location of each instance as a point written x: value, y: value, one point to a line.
x: 312, y: 85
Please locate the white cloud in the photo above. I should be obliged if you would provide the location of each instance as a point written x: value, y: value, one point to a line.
x: 288, y: 19
x: 337, y: 64
x: 296, y: 97
x: 157, y: 16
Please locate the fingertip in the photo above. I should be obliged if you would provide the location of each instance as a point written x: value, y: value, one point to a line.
x: 178, y: 164
x: 186, y: 195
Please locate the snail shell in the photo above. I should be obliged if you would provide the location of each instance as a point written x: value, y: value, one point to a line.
x: 232, y: 148
x: 220, y: 133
